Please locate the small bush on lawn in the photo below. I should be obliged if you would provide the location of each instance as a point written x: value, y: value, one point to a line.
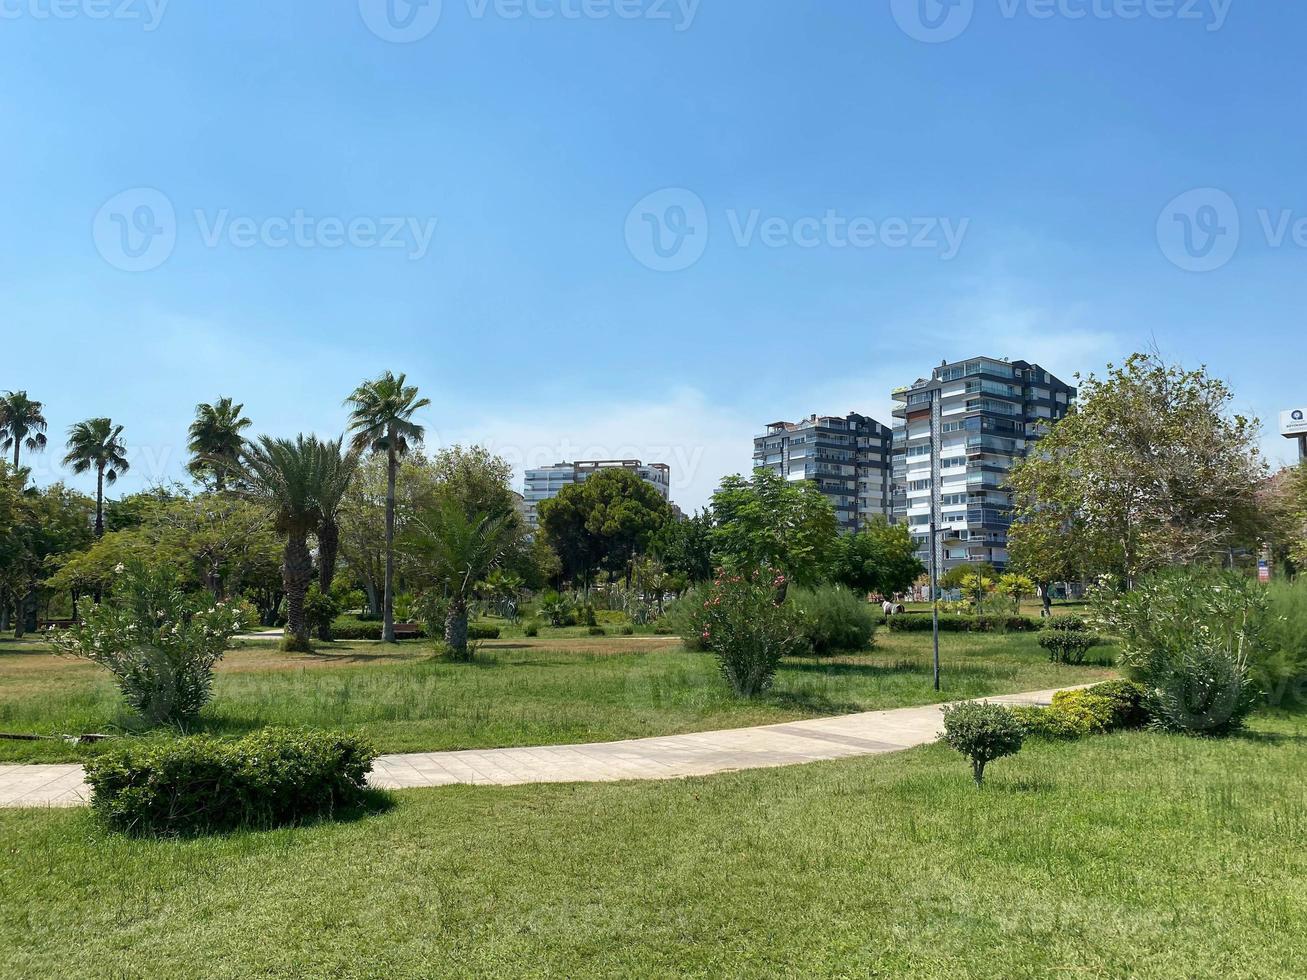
x: 749, y: 627
x: 628, y: 630
x: 982, y: 732
x: 557, y: 610
x: 1129, y: 707
x: 833, y: 619
x: 1072, y: 715
x: 687, y: 618
x: 532, y: 628
x: 597, y: 631
x: 159, y: 643
x: 1067, y: 639
x: 203, y: 785
x: 1189, y: 635
x: 479, y: 632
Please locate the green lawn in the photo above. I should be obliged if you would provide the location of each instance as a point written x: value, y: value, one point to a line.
x: 523, y: 692
x: 1134, y: 854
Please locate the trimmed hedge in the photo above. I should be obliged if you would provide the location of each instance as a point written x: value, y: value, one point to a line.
x: 203, y: 785
x: 1094, y: 711
x: 914, y: 623
x: 349, y: 628
x: 475, y: 632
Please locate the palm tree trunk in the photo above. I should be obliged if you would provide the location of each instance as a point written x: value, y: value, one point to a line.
x: 388, y: 601
x: 456, y: 627
x: 296, y: 573
x: 328, y: 548
x: 99, y: 501
x: 17, y: 447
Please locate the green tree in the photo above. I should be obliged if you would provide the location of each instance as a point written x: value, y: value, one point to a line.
x: 771, y: 521
x: 381, y: 420
x: 955, y: 576
x: 288, y: 476
x: 1015, y: 587
x: 40, y: 530
x: 22, y: 424
x: 1038, y: 549
x: 1149, y: 470
x: 216, y: 441
x: 97, y: 444
x: 363, y: 520
x: 880, y: 558
x: 685, y: 547
x: 605, y: 522
x: 976, y: 588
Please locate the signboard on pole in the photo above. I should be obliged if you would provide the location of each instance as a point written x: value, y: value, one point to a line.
x: 1264, y: 570
x: 1293, y: 423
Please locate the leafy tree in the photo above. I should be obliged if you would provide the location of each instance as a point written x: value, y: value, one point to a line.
x: 976, y: 588
x: 605, y: 522
x: 982, y: 732
x: 685, y: 547
x: 97, y: 444
x: 216, y: 441
x: 955, y: 576
x: 769, y: 520
x: 1038, y: 548
x: 1015, y: 587
x: 363, y: 520
x: 881, y: 558
x: 39, y: 529
x: 22, y: 424
x: 381, y: 419
x: 1149, y: 470
x: 288, y: 476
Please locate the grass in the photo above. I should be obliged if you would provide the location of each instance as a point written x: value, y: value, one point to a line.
x: 519, y: 692
x: 1133, y: 854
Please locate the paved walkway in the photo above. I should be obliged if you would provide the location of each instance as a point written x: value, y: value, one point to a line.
x: 665, y: 757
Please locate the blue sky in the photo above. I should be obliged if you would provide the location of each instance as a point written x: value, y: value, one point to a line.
x: 844, y: 194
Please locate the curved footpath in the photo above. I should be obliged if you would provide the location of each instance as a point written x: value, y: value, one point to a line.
x: 664, y: 757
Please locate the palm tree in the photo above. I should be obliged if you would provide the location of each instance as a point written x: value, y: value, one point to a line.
x: 458, y: 550
x: 381, y: 420
x: 97, y: 444
x: 337, y: 473
x: 216, y: 440
x: 288, y: 476
x: 21, y: 424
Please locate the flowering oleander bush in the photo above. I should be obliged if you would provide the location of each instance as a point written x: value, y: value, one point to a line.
x: 1188, y: 635
x: 159, y: 642
x: 748, y: 626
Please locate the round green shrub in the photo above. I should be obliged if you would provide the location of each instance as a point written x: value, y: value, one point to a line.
x: 982, y: 732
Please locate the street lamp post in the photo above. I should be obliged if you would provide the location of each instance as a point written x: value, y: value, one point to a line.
x: 934, y: 597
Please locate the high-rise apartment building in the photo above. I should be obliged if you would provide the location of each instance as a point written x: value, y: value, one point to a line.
x: 956, y: 437
x: 547, y: 482
x: 847, y: 458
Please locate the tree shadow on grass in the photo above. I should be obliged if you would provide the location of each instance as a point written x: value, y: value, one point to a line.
x: 813, y: 703
x: 836, y: 668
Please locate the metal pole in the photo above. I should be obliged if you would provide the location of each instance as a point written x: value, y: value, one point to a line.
x: 934, y: 599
